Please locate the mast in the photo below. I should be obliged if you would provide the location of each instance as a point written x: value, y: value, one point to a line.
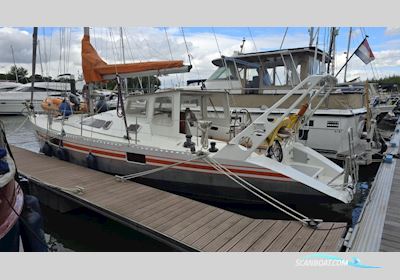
x: 15, y: 65
x: 311, y: 31
x: 34, y: 44
x: 347, y: 53
x: 123, y: 58
x: 86, y: 32
x: 331, y: 50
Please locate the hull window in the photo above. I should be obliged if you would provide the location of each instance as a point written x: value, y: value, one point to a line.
x: 136, y: 157
x: 332, y: 124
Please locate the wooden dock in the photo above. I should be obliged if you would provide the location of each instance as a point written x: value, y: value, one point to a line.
x: 378, y: 228
x: 391, y: 230
x: 177, y: 221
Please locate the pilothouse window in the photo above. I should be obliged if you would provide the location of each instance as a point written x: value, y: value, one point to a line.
x: 215, y: 106
x: 225, y: 73
x: 162, y: 114
x: 137, y: 107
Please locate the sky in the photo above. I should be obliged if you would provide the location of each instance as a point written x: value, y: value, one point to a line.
x: 59, y: 48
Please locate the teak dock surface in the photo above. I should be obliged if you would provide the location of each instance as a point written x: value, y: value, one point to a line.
x: 180, y: 222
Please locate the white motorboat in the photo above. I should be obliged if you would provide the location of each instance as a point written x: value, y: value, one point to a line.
x: 7, y: 86
x: 256, y: 81
x: 14, y: 102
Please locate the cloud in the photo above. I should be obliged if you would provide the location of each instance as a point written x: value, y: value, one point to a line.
x: 21, y: 42
x: 60, y: 49
x: 392, y: 31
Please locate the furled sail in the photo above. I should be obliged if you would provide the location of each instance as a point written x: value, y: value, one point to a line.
x: 96, y: 69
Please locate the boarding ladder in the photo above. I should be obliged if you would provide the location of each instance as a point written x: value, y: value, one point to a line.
x: 350, y: 164
x: 262, y: 127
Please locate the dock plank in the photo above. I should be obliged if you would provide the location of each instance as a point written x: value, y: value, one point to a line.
x: 334, y: 239
x: 246, y: 242
x: 317, y: 238
x: 280, y: 243
x: 222, y: 239
x: 198, y: 224
x: 268, y: 237
x: 182, y: 222
x: 299, y: 240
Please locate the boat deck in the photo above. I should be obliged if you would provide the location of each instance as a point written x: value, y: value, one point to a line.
x: 180, y: 222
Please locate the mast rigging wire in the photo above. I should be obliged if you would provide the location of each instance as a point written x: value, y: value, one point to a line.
x: 284, y: 37
x: 252, y: 39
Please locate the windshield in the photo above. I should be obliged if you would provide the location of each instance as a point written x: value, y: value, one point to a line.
x: 225, y: 73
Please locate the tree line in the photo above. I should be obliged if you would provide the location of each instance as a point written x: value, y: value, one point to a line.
x: 22, y: 74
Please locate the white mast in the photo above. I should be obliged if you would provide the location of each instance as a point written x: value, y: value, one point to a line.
x: 123, y: 57
x: 15, y: 65
x: 347, y: 54
x: 86, y: 32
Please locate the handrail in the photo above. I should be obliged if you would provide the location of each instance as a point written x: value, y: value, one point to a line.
x: 261, y: 128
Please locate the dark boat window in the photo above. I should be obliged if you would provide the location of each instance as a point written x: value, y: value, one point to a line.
x: 136, y: 157
x: 107, y: 125
x: 303, y: 134
x: 133, y: 127
x: 96, y: 123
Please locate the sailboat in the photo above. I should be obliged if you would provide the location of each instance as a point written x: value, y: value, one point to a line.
x: 159, y: 138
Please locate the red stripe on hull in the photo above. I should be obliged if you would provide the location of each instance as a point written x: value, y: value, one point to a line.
x: 168, y: 161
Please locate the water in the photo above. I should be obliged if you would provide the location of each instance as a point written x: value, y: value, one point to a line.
x: 83, y: 230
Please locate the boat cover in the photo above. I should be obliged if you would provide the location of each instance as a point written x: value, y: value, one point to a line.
x: 94, y: 68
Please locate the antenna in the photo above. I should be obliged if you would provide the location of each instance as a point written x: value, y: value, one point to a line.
x: 242, y: 45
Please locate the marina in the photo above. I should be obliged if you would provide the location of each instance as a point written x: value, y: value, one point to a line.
x: 271, y: 153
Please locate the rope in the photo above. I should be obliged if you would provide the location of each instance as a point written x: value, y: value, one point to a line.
x: 148, y: 172
x: 76, y: 190
x: 189, y: 55
x: 251, y: 188
x: 186, y: 45
x: 169, y: 45
x: 19, y: 127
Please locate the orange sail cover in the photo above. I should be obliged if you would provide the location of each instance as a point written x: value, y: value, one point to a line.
x: 94, y: 68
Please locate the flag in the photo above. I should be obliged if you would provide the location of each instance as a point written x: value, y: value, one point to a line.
x: 364, y: 52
